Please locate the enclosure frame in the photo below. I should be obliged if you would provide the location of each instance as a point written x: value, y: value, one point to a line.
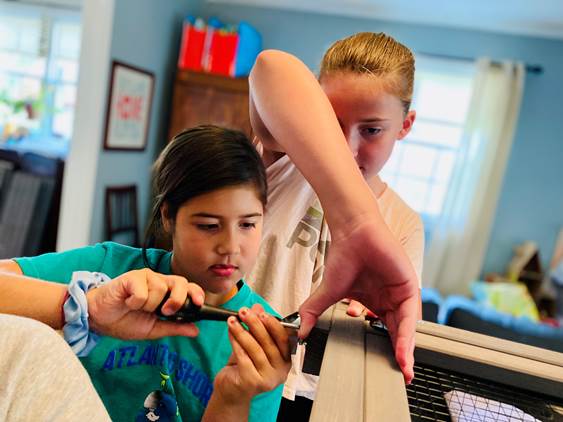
x: 358, y: 363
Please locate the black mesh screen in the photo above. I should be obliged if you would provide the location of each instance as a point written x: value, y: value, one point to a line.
x: 427, y: 401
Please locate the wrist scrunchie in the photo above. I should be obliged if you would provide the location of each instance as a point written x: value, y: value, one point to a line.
x: 76, y: 328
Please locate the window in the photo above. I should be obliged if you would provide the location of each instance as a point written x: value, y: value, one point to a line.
x: 39, y: 55
x: 420, y: 167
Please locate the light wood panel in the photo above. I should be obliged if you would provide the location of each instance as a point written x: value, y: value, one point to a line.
x: 340, y: 393
x: 385, y: 395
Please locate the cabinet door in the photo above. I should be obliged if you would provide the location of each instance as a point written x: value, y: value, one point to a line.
x: 209, y: 99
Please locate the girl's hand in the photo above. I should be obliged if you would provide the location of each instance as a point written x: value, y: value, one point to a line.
x: 356, y: 309
x: 367, y: 264
x: 260, y: 360
x: 125, y: 306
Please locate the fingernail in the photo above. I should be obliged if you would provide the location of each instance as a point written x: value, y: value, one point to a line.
x: 232, y: 320
x: 262, y: 316
x: 243, y: 311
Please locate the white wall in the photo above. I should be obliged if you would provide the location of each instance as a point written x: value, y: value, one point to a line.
x: 79, y: 185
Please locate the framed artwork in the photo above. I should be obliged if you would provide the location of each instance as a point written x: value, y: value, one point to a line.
x: 129, y: 107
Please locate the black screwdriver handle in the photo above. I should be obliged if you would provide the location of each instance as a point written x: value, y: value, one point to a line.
x: 190, y: 312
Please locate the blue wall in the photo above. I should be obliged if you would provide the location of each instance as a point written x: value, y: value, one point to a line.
x: 146, y: 34
x: 531, y: 204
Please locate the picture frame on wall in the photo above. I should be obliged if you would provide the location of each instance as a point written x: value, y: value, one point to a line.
x: 129, y: 107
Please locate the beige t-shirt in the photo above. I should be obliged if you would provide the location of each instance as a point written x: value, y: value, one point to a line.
x: 296, y: 237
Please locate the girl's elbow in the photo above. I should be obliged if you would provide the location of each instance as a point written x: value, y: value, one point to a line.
x: 269, y: 55
x: 269, y: 60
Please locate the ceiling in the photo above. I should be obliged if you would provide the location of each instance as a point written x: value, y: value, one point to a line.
x: 65, y: 4
x: 542, y: 18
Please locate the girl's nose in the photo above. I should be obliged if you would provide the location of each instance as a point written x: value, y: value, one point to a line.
x: 354, y: 145
x: 228, y: 244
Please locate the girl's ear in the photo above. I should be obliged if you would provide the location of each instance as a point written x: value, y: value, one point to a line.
x: 407, y: 124
x: 166, y: 223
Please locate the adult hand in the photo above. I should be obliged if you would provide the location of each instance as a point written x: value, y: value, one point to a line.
x: 125, y: 307
x: 367, y: 264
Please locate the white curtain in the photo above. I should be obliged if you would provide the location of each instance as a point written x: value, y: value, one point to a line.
x: 458, y: 244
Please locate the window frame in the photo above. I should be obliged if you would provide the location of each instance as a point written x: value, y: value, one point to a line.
x: 50, y: 16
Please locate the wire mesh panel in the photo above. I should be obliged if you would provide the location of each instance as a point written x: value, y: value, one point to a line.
x: 472, y: 399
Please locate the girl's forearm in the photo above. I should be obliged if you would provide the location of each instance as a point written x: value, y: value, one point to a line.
x: 299, y: 116
x: 220, y: 410
x: 32, y: 298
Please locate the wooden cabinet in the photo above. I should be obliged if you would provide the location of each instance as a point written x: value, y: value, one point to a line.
x: 202, y: 98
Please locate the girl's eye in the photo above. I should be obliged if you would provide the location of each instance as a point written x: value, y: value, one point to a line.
x: 207, y: 227
x: 248, y: 225
x: 371, y: 131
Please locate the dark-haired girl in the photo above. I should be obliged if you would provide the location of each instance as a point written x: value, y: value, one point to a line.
x: 210, y: 193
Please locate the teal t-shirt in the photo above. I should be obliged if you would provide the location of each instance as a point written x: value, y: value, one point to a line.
x: 166, y: 379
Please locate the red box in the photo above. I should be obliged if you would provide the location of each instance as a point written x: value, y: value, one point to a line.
x: 191, y: 49
x: 222, y: 53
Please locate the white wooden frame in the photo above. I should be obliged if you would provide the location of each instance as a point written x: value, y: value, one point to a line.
x: 360, y: 380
